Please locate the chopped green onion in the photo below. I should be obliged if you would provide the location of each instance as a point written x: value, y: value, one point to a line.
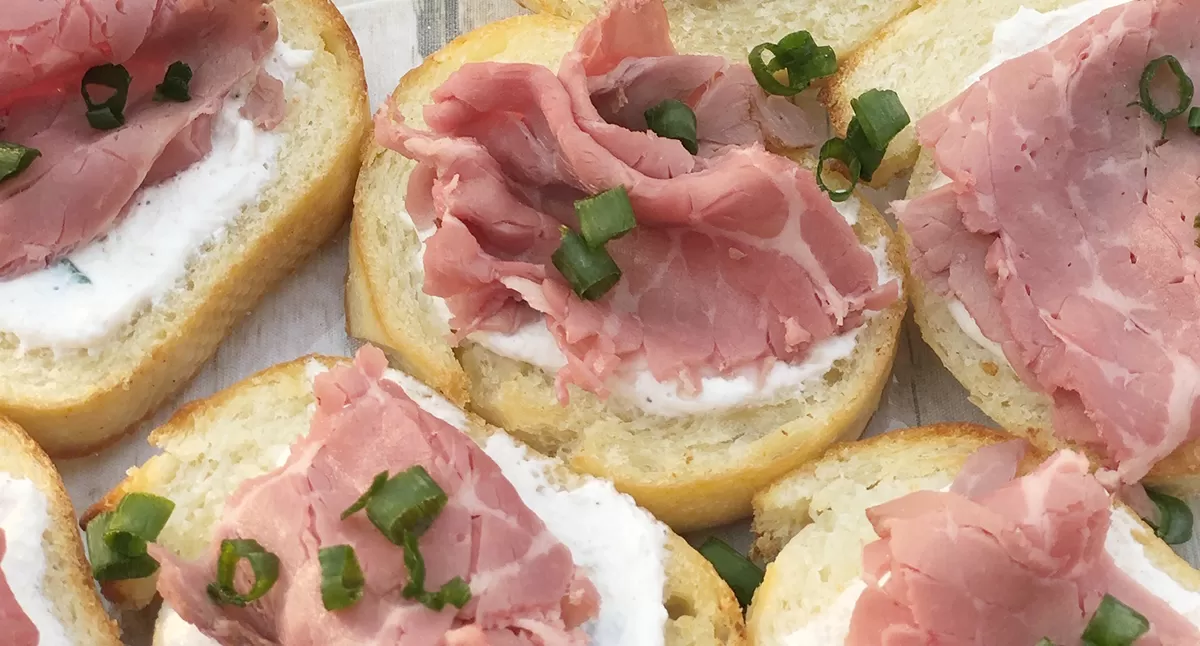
x: 341, y: 577
x: 76, y: 275
x: 605, y: 217
x: 673, y: 119
x: 839, y: 150
x: 109, y: 564
x: 590, y: 271
x: 1045, y: 641
x: 881, y: 116
x: 1114, y: 624
x: 869, y: 158
x: 1194, y: 121
x: 263, y: 564
x: 1186, y: 90
x: 376, y: 484
x: 175, y: 83
x: 456, y: 592
x: 15, y: 158
x: 406, y: 504
x: 111, y: 113
x: 137, y: 520
x: 1174, y: 518
x: 743, y: 576
x: 797, y: 53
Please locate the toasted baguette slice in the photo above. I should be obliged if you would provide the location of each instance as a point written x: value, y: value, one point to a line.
x: 812, y: 524
x: 211, y: 446
x: 67, y: 583
x: 731, y: 28
x: 691, y: 472
x: 80, y: 401
x: 926, y: 56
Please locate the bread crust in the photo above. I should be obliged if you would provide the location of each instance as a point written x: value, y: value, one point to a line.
x: 78, y: 403
x: 810, y: 510
x: 691, y: 473
x: 68, y: 580
x: 702, y: 611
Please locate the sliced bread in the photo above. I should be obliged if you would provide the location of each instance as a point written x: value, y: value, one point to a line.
x: 811, y: 524
x: 691, y: 472
x: 66, y: 588
x: 78, y: 401
x: 211, y: 446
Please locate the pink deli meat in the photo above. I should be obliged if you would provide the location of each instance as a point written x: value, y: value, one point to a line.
x: 15, y: 625
x: 82, y: 184
x: 525, y: 588
x: 738, y: 259
x: 998, y: 561
x: 1067, y: 230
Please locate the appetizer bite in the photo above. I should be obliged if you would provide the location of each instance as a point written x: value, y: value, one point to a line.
x: 929, y: 535
x: 1052, y: 236
x: 47, y: 596
x: 610, y: 263
x: 162, y: 165
x: 330, y: 502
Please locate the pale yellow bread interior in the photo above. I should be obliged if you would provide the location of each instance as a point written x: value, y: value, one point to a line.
x: 731, y: 28
x: 68, y: 581
x: 811, y: 524
x: 926, y: 56
x: 690, y: 472
x: 211, y: 446
x: 80, y: 401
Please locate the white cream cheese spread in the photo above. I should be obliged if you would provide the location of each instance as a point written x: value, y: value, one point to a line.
x: 24, y: 518
x: 832, y: 625
x: 620, y: 547
x: 78, y: 304
x: 535, y: 345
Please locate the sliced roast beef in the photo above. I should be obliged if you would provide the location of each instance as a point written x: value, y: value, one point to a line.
x: 1000, y: 564
x: 738, y: 258
x: 80, y: 186
x: 1067, y: 230
x: 525, y: 588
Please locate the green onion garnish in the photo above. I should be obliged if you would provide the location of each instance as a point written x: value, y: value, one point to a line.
x: 590, y: 271
x: 1194, y: 121
x: 111, y: 113
x: 175, y: 83
x: 1114, y: 624
x: 107, y: 563
x: 1045, y: 641
x: 743, y: 576
x: 1186, y: 90
x: 138, y: 519
x: 797, y: 53
x: 605, y: 217
x: 376, y: 484
x: 15, y: 158
x: 405, y: 504
x: 881, y: 116
x: 673, y: 119
x: 341, y: 577
x: 76, y: 275
x: 1174, y: 518
x: 455, y: 592
x: 264, y: 564
x: 839, y: 150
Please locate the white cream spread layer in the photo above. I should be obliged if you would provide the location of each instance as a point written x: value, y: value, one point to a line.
x: 1027, y: 31
x: 77, y: 305
x: 832, y: 625
x: 620, y: 547
x: 24, y: 518
x: 535, y: 345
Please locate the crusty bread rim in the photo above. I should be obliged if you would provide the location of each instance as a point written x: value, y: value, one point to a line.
x: 697, y: 600
x: 81, y: 414
x: 68, y: 581
x: 906, y: 455
x: 681, y: 494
